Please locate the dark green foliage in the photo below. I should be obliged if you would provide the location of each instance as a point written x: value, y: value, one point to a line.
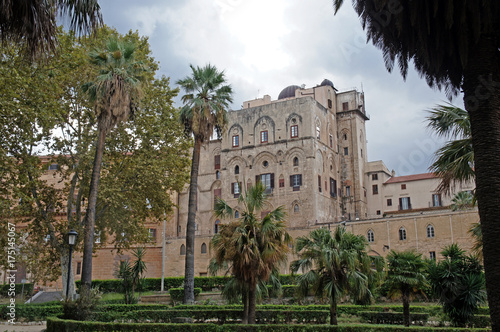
x: 178, y: 293
x: 83, y: 307
x: 376, y: 317
x: 28, y: 289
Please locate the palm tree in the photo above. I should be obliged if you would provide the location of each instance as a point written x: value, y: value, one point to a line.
x: 458, y: 281
x: 33, y: 23
x: 462, y: 200
x: 455, y: 45
x: 205, y: 105
x: 477, y: 246
x: 115, y: 94
x: 406, y: 276
x: 455, y: 160
x: 334, y: 266
x: 252, y: 247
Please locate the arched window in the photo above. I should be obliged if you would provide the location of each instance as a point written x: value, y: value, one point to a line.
x: 236, y: 214
x: 296, y: 208
x: 183, y: 249
x: 237, y: 169
x: 345, y: 137
x: 430, y: 231
x: 217, y: 175
x: 203, y: 248
x: 370, y: 236
x: 295, y: 161
x: 402, y: 234
x: 216, y: 228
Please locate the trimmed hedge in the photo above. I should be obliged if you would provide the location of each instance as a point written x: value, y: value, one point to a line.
x: 177, y: 294
x: 32, y: 312
x: 377, y: 317
x: 57, y: 325
x: 28, y: 289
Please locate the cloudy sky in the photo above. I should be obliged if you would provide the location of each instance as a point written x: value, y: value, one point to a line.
x: 266, y: 45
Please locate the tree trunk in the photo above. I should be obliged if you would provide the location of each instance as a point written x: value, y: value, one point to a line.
x: 481, y: 88
x: 64, y: 271
x: 191, y: 222
x: 244, y: 298
x: 333, y: 312
x: 406, y: 307
x: 251, y: 303
x: 89, y: 221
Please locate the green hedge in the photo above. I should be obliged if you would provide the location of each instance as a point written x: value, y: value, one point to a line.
x: 32, y: 312
x: 377, y: 317
x: 57, y: 325
x: 28, y: 289
x: 177, y: 294
x: 481, y: 321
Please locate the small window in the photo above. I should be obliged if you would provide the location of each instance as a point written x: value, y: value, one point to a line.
x: 236, y: 214
x: 370, y: 236
x: 374, y: 177
x: 348, y: 191
x: 282, y: 183
x: 217, y: 175
x: 152, y: 234
x: 237, y: 169
x: 330, y: 103
x: 375, y: 189
x: 53, y: 167
x: 436, y: 200
x: 217, y: 161
x: 432, y: 255
x: 319, y: 183
x: 295, y: 161
x: 318, y: 131
x: 346, y: 151
x: 296, y: 208
x: 183, y: 250
x: 404, y: 203
x: 78, y: 267
x: 403, y: 186
x: 203, y: 248
x: 378, y: 212
x: 389, y: 202
x: 345, y: 137
x: 236, y: 141
x: 331, y: 141
x: 265, y: 163
x: 263, y: 136
x: 430, y: 231
x: 333, y: 187
x: 345, y: 106
x: 294, y: 131
x: 235, y: 189
x: 97, y: 237
x: 217, y: 195
x: 402, y: 234
x: 217, y: 226
x: 296, y: 181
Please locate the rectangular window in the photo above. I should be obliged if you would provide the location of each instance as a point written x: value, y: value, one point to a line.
x: 346, y: 151
x: 403, y: 186
x: 345, y: 106
x: 217, y: 194
x: 374, y: 177
x: 235, y: 189
x: 294, y: 131
x: 330, y: 103
x: 318, y: 132
x: 152, y: 234
x: 217, y: 161
x: 333, y: 187
x: 432, y: 255
x: 389, y: 202
x: 236, y: 141
x: 331, y: 141
x: 267, y: 180
x: 296, y: 181
x: 378, y: 212
x: 53, y: 167
x: 348, y: 191
x: 436, y: 200
x: 97, y: 237
x: 78, y: 267
x: 282, y: 183
x: 404, y: 203
x: 375, y: 189
x: 319, y: 183
x: 263, y: 136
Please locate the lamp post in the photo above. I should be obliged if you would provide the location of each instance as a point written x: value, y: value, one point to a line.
x: 71, y: 241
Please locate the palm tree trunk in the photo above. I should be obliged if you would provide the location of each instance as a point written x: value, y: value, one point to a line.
x: 244, y: 298
x: 333, y: 311
x: 89, y: 221
x: 406, y: 307
x: 251, y: 303
x: 191, y: 222
x: 482, y: 100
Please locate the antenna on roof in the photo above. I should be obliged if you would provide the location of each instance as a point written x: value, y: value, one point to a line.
x: 302, y: 86
x: 362, y: 87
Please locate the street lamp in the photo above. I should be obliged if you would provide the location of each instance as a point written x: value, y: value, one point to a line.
x: 71, y: 241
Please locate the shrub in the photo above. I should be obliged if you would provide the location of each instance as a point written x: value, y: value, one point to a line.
x: 28, y: 289
x: 177, y: 294
x: 83, y: 307
x: 375, y: 317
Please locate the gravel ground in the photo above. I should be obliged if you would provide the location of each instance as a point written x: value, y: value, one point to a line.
x: 23, y: 327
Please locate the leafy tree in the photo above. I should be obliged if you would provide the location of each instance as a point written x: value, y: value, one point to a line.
x: 455, y: 45
x: 333, y: 266
x: 206, y: 102
x: 32, y: 24
x: 458, y: 281
x: 405, y: 277
x: 115, y: 93
x: 252, y: 247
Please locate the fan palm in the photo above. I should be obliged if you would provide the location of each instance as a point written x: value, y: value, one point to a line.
x: 32, y: 23
x: 333, y: 266
x: 454, y: 45
x: 251, y: 247
x: 206, y: 102
x: 462, y: 200
x: 405, y: 277
x: 115, y: 94
x: 477, y: 247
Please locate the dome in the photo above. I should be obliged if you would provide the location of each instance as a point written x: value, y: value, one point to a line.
x: 288, y: 92
x: 327, y: 82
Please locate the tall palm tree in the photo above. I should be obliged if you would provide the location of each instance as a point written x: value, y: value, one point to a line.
x: 32, y: 23
x: 253, y: 247
x: 455, y: 160
x: 455, y: 45
x: 477, y: 246
x: 206, y: 102
x: 405, y: 277
x: 115, y: 94
x: 333, y: 265
x: 462, y: 200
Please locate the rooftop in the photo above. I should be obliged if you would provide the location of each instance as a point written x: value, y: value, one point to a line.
x: 413, y: 177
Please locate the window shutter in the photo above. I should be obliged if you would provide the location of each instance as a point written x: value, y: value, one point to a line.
x: 291, y: 180
x: 257, y: 179
x: 272, y: 180
x: 217, y: 161
x: 300, y: 179
x: 400, y: 203
x: 232, y: 188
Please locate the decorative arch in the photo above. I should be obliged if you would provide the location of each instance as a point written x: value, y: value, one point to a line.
x: 430, y: 231
x: 271, y: 130
x: 265, y: 155
x: 289, y: 123
x: 232, y: 131
x: 320, y: 161
x: 203, y: 248
x: 183, y: 250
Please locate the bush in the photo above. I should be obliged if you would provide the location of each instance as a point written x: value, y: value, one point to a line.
x: 28, y: 289
x: 83, y: 307
x: 288, y: 290
x: 30, y: 312
x: 480, y: 321
x: 375, y: 317
x: 177, y: 294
